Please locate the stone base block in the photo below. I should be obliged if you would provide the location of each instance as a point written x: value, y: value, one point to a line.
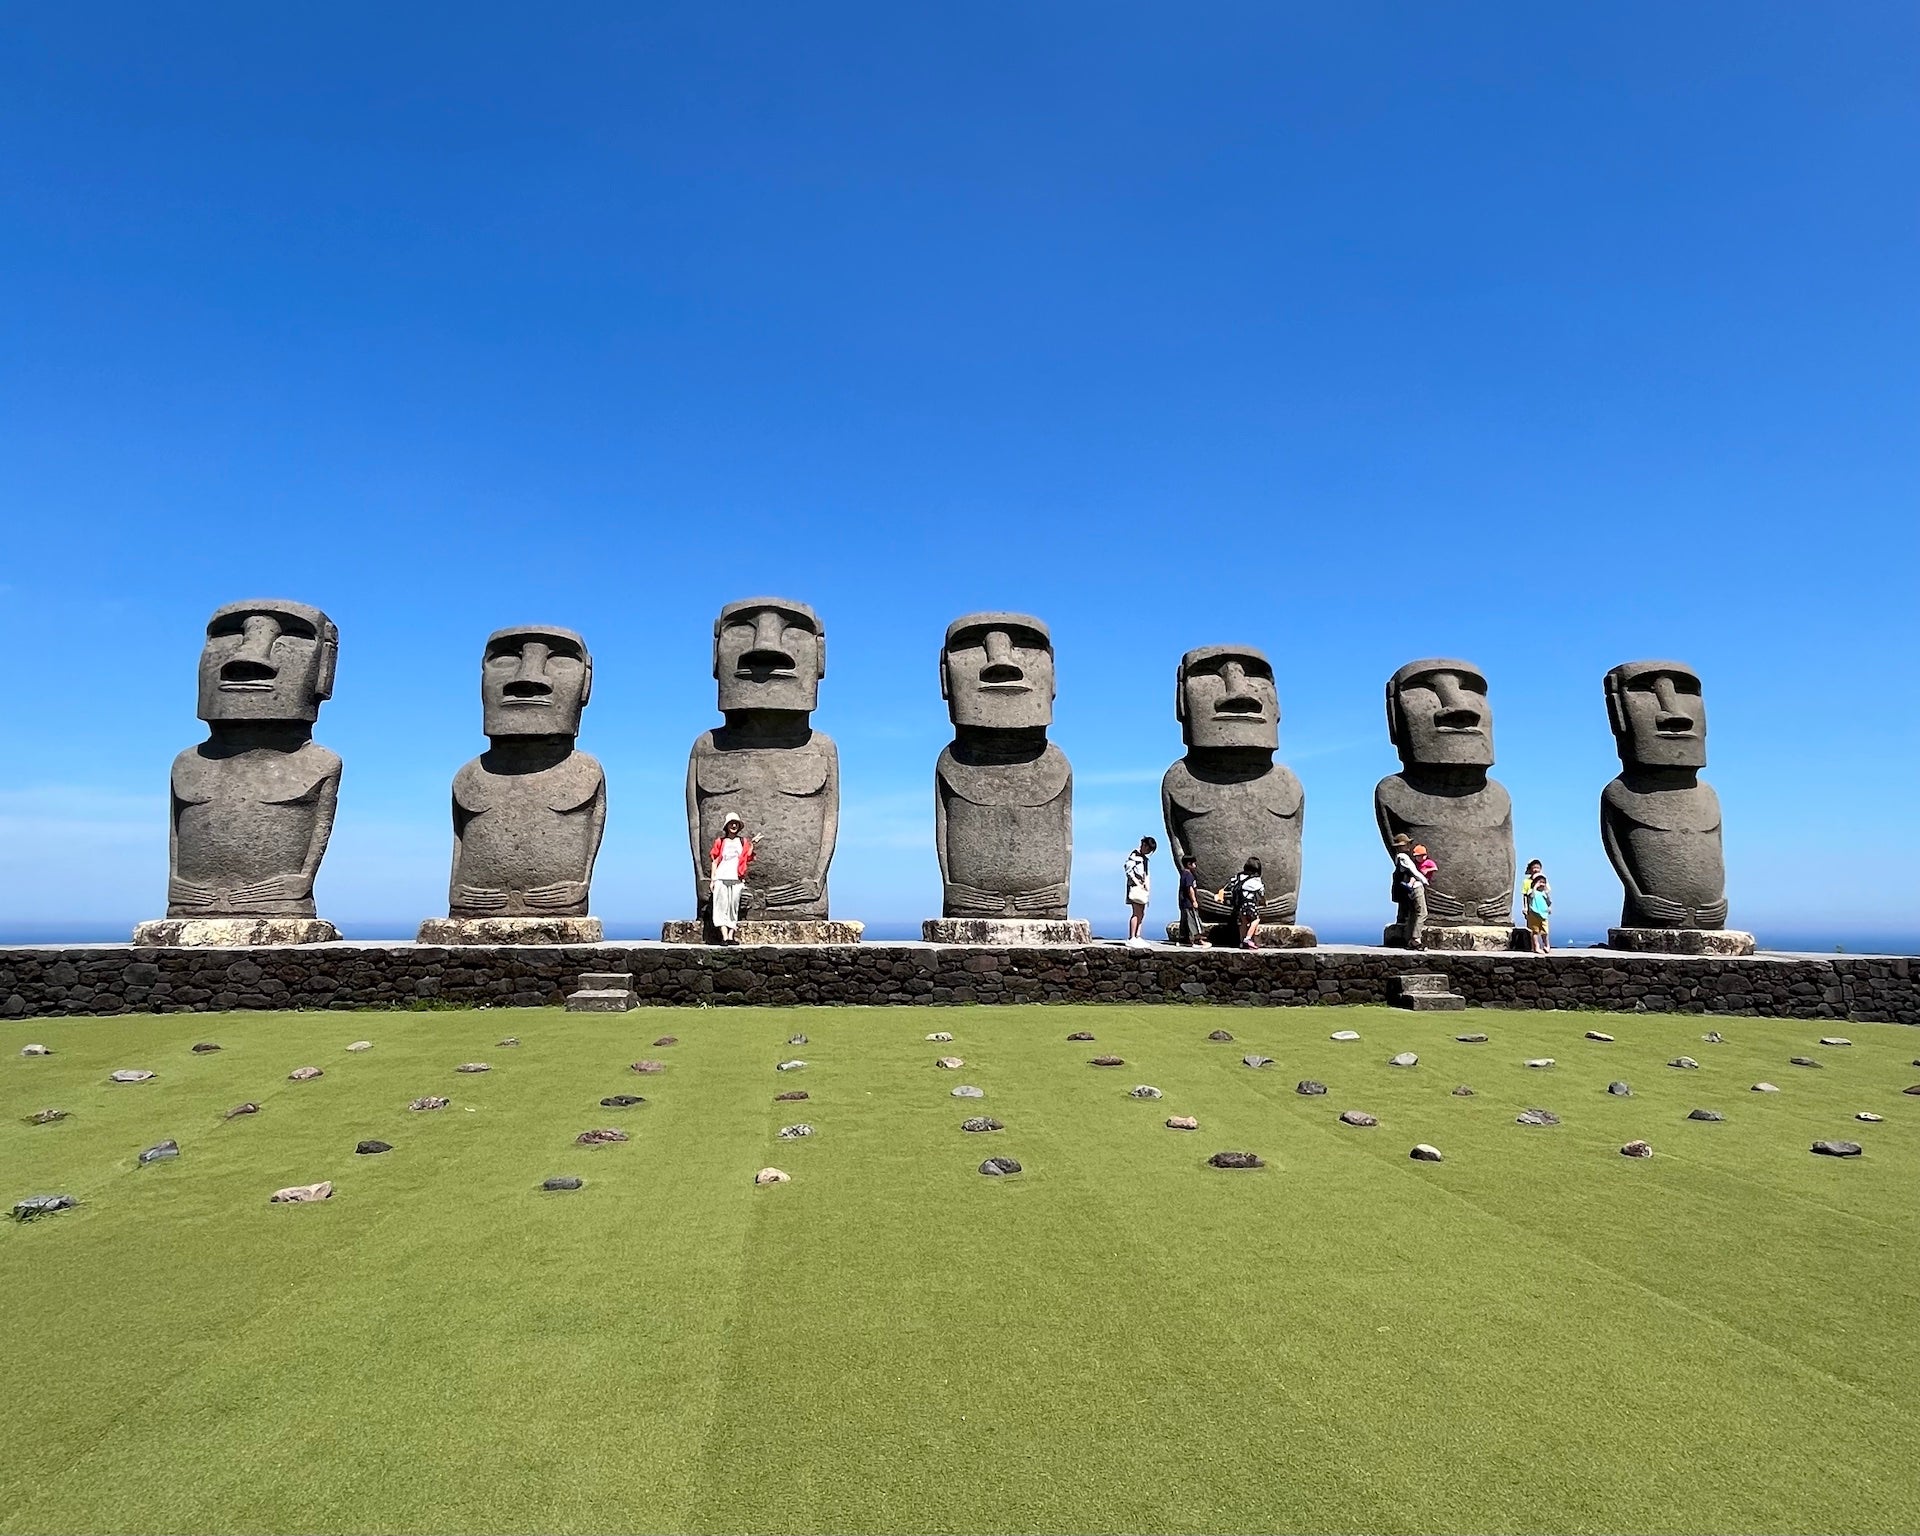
x: 511, y: 930
x: 1681, y: 941
x: 233, y: 932
x: 1271, y: 936
x: 1464, y: 937
x: 792, y: 930
x: 1006, y: 930
x: 601, y: 1000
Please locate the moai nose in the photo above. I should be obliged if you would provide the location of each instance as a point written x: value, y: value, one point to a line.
x: 1000, y: 667
x: 1673, y: 715
x: 1459, y: 709
x: 253, y: 662
x: 530, y: 682
x: 1236, y: 697
x: 769, y: 652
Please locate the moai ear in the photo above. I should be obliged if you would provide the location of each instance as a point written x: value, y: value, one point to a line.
x: 943, y: 673
x: 586, y: 687
x: 716, y: 650
x: 1616, y: 705
x: 329, y: 661
x: 1393, y: 714
x: 823, y: 654
x: 1180, y: 691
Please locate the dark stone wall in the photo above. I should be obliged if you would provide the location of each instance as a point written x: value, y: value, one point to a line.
x: 46, y: 981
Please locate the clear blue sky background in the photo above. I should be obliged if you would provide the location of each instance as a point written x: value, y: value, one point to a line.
x: 1547, y: 336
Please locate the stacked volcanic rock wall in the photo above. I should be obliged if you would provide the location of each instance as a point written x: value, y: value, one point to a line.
x: 44, y: 981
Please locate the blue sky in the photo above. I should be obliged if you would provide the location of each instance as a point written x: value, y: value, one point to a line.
x: 1549, y: 337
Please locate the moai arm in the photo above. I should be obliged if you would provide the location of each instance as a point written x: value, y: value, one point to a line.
x: 702, y: 869
x: 182, y: 894
x: 1616, y: 855
x: 1176, y: 828
x: 940, y: 832
x: 326, y: 804
x: 830, y: 824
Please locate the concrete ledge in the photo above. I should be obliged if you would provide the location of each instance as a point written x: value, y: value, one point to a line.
x: 51, y: 981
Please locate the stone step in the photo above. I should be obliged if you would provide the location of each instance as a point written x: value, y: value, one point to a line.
x: 600, y: 1000
x: 1421, y: 981
x: 606, y: 981
x: 1430, y: 1002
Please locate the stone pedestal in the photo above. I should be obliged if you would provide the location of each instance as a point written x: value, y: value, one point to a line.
x: 233, y: 932
x: 1271, y: 936
x: 795, y: 930
x: 511, y: 930
x: 1465, y: 936
x: 1681, y: 941
x: 1006, y: 930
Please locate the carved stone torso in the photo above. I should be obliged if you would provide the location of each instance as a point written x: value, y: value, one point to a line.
x: 1665, y: 844
x: 249, y: 830
x: 524, y: 843
x: 1224, y: 820
x: 1470, y: 838
x: 1008, y: 849
x: 788, y: 798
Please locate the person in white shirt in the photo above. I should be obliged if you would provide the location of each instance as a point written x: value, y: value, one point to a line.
x: 1409, y: 894
x: 1139, y: 887
x: 728, y: 860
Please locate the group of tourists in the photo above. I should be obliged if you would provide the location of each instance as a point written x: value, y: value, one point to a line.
x: 1413, y: 872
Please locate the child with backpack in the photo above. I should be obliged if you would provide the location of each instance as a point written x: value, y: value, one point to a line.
x: 1243, y: 895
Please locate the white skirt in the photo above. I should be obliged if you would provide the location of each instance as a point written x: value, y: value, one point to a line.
x: 726, y: 904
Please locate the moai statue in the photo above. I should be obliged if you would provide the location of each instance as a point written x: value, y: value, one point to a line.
x: 1660, y: 825
x: 253, y: 804
x: 1227, y: 799
x: 1003, y: 793
x: 1441, y: 723
x: 768, y: 766
x: 528, y: 812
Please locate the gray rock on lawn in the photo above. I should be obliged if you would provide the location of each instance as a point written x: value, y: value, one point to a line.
x: 1539, y: 1063
x: 473, y: 1066
x: 46, y: 1117
x: 794, y: 1132
x: 772, y: 1176
x: 661, y: 1043
x: 131, y: 1075
x: 1915, y: 1089
x: 949, y: 1063
x: 791, y: 1096
x: 1802, y: 1061
x: 1344, y: 1034
x: 1685, y: 1063
x: 1106, y: 1061
x: 981, y: 1123
x: 513, y: 1040
x: 1222, y: 1036
x: 302, y: 1194
x: 159, y: 1152
x: 1463, y: 1092
x: 1637, y: 1149
x: 1404, y: 1059
x: 786, y: 1066
x: 1257, y: 1061
x: 797, y: 1040
x: 35, y: 1049
x: 626, y: 1100
x: 1426, y: 1153
x: 248, y: 1108
x: 606, y: 1136
x: 431, y: 1101
x: 373, y: 1148
x: 1536, y: 1117
x: 1357, y: 1117
x: 1309, y: 1089
x: 42, y: 1205
x: 1145, y: 1091
x: 562, y: 1181
x: 1081, y: 1034
x: 968, y: 1091
x: 1713, y: 1037
x: 205, y: 1048
x: 647, y: 1068
x: 304, y: 1074
x: 1837, y: 1148
x: 1601, y: 1035
x: 1835, y: 1040
x: 999, y: 1167
x: 1710, y: 1115
x: 1619, y: 1090
x: 361, y: 1045
x: 941, y: 1036
x: 1765, y: 1088
x: 1182, y: 1123
x: 1870, y: 1117
x: 1235, y: 1160
x: 1471, y: 1039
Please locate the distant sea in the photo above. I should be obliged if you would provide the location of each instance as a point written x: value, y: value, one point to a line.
x: 1823, y: 941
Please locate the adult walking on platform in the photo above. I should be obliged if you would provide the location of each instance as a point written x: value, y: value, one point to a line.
x: 729, y: 860
x: 1139, y: 887
x: 1409, y: 894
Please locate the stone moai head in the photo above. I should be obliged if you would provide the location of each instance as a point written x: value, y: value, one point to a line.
x: 1659, y: 719
x: 1438, y: 715
x: 996, y: 671
x: 1224, y: 696
x: 534, y: 681
x: 769, y: 653
x: 267, y: 660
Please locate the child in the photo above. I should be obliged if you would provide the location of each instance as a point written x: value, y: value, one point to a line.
x: 1423, y: 862
x: 1539, y: 907
x: 1243, y: 894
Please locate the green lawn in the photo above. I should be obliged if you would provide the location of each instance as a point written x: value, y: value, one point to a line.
x: 1536, y: 1335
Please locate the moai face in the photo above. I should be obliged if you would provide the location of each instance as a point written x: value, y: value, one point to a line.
x: 534, y: 681
x: 996, y: 671
x: 1438, y: 715
x: 1658, y: 716
x: 1225, y: 697
x: 267, y: 660
x: 769, y: 653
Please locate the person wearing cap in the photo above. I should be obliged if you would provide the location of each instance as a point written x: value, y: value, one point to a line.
x: 1409, y: 892
x: 730, y: 856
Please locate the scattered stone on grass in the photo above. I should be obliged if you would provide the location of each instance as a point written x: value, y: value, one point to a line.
x: 666, y: 1040
x: 1235, y: 1160
x: 1539, y: 1062
x: 160, y: 1151
x: 1764, y: 1088
x: 605, y: 1137
x: 1145, y: 1091
x: 1471, y: 1039
x: 301, y: 1194
x: 649, y: 1067
x: 131, y: 1075
x: 1837, y: 1148
x: 241, y: 1109
x: 1713, y: 1037
x: 940, y: 1036
x: 1308, y: 1088
x: 1601, y: 1035
x: 1869, y: 1116
x: 1404, y: 1059
x: 1685, y: 1063
x: 949, y: 1063
x: 431, y: 1101
x: 1357, y: 1117
x: 1106, y: 1061
x: 1536, y: 1117
x: 794, y: 1132
x: 1802, y: 1061
x: 772, y: 1176
x: 968, y: 1091
x: 1915, y: 1089
x: 1463, y: 1092
x: 999, y: 1167
x: 1619, y: 1090
x: 1835, y: 1040
x: 1222, y: 1036
x: 1182, y: 1123
x: 796, y: 1040
x: 1257, y: 1061
x: 1705, y: 1114
x: 621, y: 1101
x: 981, y: 1123
x: 1637, y: 1149
x: 372, y: 1148
x: 1426, y: 1153
x: 46, y: 1116
x: 34, y: 1048
x: 361, y: 1045
x: 304, y: 1074
x: 204, y: 1048
x: 791, y: 1096
x: 473, y: 1066
x: 785, y: 1066
x: 1344, y: 1034
x: 1081, y: 1034
x: 511, y: 1040
x: 562, y: 1181
x: 42, y: 1205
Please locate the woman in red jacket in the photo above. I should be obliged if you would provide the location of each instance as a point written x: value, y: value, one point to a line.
x: 731, y: 854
